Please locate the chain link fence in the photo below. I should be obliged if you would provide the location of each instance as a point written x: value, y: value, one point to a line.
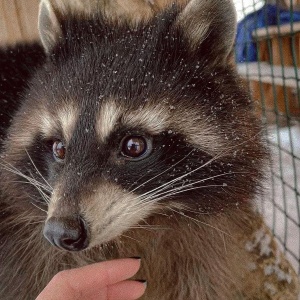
x: 268, y: 58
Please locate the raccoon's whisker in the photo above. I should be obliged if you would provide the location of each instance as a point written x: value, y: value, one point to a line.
x: 39, y: 209
x: 9, y: 167
x: 148, y: 227
x: 184, y: 175
x: 129, y: 237
x: 160, y: 193
x: 163, y: 171
x: 230, y: 148
x: 144, y: 203
x: 217, y: 156
x: 222, y: 154
x: 151, y: 200
x: 170, y: 156
x: 12, y: 169
x: 37, y: 222
x: 158, y: 197
x: 193, y: 211
x: 44, y: 196
x: 144, y: 225
x: 35, y: 184
x: 32, y: 182
x: 47, y: 183
x: 38, y: 201
x: 178, y: 191
x: 198, y: 222
x: 184, y: 186
x: 168, y: 184
x: 41, y: 185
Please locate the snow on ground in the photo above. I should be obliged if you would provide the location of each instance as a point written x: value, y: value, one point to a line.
x: 282, y: 199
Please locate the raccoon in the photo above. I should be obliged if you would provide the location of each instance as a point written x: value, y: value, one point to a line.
x: 133, y: 135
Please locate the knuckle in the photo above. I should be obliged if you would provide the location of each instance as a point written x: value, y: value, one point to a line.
x: 60, y: 277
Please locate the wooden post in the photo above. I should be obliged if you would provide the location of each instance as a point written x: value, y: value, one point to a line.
x: 18, y: 21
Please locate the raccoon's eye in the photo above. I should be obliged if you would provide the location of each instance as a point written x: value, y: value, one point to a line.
x: 135, y: 146
x: 59, y: 151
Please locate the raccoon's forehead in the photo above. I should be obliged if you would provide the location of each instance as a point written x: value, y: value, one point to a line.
x: 152, y: 117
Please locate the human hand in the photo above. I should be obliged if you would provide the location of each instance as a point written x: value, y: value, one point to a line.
x: 101, y: 281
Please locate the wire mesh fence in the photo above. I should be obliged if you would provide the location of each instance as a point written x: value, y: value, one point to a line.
x: 268, y: 56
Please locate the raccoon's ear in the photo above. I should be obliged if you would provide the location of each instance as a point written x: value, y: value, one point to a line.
x: 49, y: 25
x: 210, y: 26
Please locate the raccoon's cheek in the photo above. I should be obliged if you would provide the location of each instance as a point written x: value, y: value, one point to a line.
x: 112, y: 211
x: 93, y: 218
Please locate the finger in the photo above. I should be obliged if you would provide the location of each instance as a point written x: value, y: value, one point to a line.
x: 126, y: 290
x: 89, y: 279
x: 104, y: 273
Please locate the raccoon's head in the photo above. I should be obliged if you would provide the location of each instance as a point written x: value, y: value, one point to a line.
x: 125, y: 122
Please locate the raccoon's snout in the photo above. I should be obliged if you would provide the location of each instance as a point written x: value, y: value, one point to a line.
x: 67, y: 233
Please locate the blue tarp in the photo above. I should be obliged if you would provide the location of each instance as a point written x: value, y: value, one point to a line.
x: 245, y: 48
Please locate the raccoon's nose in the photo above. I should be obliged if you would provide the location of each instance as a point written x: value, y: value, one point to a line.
x: 67, y: 233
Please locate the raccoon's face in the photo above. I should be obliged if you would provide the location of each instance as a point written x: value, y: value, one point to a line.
x: 124, y: 123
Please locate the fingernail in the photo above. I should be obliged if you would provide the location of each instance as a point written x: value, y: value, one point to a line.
x: 144, y: 282
x: 136, y: 257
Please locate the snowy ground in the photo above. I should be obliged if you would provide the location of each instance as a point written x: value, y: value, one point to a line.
x: 281, y: 203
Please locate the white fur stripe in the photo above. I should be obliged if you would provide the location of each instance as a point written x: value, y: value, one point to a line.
x: 65, y: 120
x: 156, y: 118
x: 108, y: 118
